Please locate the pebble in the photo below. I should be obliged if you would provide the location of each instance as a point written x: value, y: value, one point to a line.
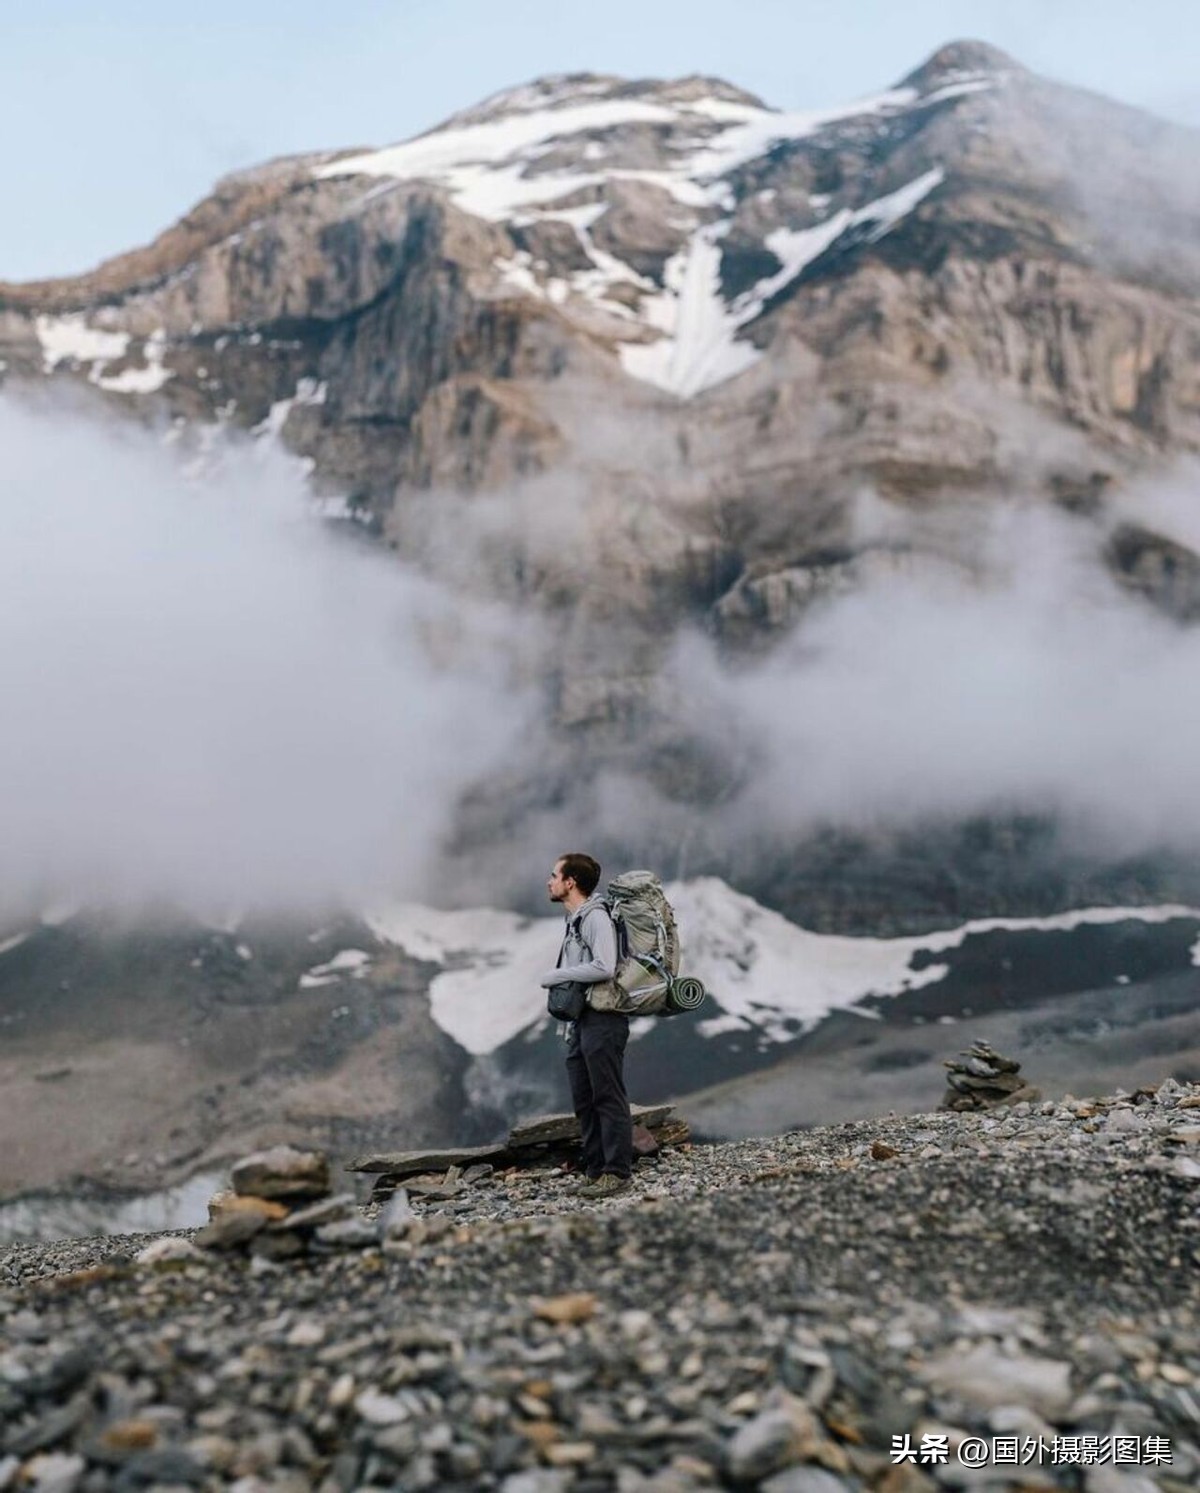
x: 784, y: 1432
x: 227, y: 1201
x: 347, y: 1233
x: 169, y: 1251
x: 988, y: 1379
x: 804, y: 1480
x: 762, y: 1314
x: 380, y: 1409
x: 53, y: 1472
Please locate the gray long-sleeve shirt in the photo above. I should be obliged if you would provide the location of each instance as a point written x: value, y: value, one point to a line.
x: 589, y: 948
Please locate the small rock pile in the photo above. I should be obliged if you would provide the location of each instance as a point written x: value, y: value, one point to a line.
x: 985, y: 1080
x: 279, y: 1205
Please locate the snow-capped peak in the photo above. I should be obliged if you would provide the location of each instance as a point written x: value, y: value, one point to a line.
x: 563, y: 90
x: 958, y: 60
x: 621, y: 199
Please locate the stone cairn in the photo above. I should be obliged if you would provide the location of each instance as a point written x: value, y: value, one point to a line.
x: 280, y: 1203
x: 981, y: 1079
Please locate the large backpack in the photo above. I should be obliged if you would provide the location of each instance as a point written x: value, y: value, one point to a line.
x: 647, y: 948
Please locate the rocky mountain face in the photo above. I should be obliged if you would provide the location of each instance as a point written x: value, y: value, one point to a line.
x: 631, y: 351
x: 135, y: 1055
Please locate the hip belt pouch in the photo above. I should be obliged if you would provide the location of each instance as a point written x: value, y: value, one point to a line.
x: 567, y: 1002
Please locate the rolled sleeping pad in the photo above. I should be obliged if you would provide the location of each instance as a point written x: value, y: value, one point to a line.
x: 686, y: 994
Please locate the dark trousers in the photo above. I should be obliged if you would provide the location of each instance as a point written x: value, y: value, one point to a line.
x: 595, y: 1062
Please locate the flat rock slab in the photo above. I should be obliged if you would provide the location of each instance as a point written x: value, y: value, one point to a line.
x: 282, y: 1172
x: 326, y: 1210
x: 544, y: 1130
x: 547, y: 1128
x: 221, y: 1204
x: 411, y: 1163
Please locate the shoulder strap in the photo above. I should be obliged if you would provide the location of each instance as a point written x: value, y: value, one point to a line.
x: 562, y: 947
x: 622, y: 933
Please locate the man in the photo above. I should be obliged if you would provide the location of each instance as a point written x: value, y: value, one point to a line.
x: 596, y: 1045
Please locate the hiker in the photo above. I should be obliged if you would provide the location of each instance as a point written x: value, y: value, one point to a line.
x: 596, y: 1040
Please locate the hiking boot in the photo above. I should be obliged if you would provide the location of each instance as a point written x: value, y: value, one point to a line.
x: 609, y: 1185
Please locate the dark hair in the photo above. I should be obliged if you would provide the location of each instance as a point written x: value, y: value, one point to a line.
x: 582, y: 869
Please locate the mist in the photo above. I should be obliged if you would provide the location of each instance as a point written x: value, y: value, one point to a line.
x: 1028, y: 683
x: 1133, y: 177
x: 211, y: 703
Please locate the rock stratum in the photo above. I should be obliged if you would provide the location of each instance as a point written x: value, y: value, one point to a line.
x: 863, y: 1306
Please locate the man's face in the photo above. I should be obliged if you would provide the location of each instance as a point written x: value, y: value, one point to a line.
x: 558, y: 885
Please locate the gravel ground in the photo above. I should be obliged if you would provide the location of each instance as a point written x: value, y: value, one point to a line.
x: 769, y: 1313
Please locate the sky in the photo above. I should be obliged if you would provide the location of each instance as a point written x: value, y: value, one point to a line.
x: 119, y: 117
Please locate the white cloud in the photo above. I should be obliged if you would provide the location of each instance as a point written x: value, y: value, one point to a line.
x: 936, y: 693
x: 208, y: 700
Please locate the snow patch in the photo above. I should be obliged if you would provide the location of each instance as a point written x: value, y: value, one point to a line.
x: 58, y: 913
x: 699, y: 347
x: 579, y: 218
x: 71, y: 339
x: 276, y: 419
x: 717, y: 1026
x: 335, y: 507
x: 145, y: 380
x: 762, y: 129
x: 764, y: 974
x: 461, y: 156
x: 967, y: 84
x: 308, y: 391
x: 489, y: 990
x: 764, y: 968
x: 184, y: 1206
x: 797, y: 248
x: 353, y: 962
x: 13, y: 942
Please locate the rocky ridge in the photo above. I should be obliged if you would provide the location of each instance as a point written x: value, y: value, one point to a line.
x: 841, y: 288
x: 779, y: 1313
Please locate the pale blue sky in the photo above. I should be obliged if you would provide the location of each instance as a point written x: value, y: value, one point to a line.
x: 117, y: 117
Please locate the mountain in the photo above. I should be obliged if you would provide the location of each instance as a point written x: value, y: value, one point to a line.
x: 141, y: 1058
x: 652, y: 360
x: 802, y: 1027
x: 445, y: 310
x: 630, y: 353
